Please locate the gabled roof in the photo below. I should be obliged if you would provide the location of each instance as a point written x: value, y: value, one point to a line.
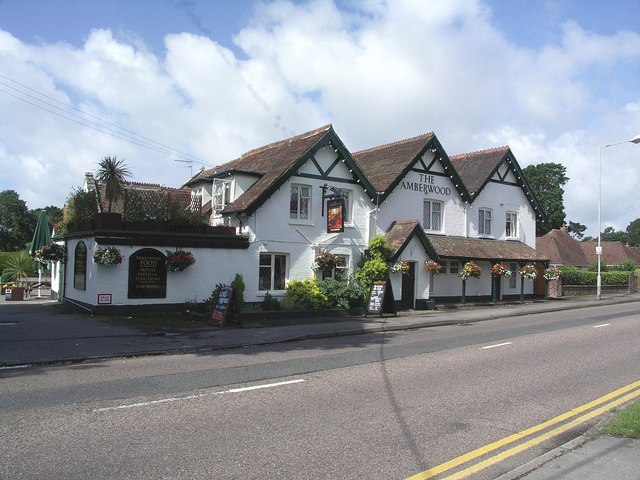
x: 562, y: 249
x: 387, y: 165
x: 476, y: 169
x: 399, y: 235
x: 273, y: 164
x: 483, y: 249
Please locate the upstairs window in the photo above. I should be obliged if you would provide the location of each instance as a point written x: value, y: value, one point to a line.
x: 432, y: 215
x: 512, y: 225
x: 484, y: 221
x: 300, y: 202
x: 221, y: 194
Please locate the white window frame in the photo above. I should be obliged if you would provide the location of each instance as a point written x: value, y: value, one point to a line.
x: 453, y: 267
x: 221, y: 194
x: 485, y: 218
x: 511, y: 225
x: 297, y: 216
x: 342, y: 266
x: 272, y: 270
x: 429, y: 204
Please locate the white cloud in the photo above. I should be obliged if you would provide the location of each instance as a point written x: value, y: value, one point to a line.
x: 380, y: 71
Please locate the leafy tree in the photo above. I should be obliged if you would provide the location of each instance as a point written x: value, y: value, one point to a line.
x: 610, y: 234
x: 633, y: 233
x: 113, y: 173
x: 54, y: 214
x: 577, y: 230
x: 547, y: 181
x: 16, y: 223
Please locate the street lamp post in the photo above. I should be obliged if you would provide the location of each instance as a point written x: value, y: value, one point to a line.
x: 635, y: 140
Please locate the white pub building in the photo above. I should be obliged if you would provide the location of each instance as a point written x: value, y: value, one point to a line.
x: 280, y: 198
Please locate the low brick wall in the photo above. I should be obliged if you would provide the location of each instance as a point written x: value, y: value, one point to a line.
x: 584, y: 290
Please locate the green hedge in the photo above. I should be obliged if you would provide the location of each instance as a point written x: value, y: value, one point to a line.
x: 575, y: 276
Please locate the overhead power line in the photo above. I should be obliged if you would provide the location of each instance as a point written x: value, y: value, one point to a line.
x: 88, y: 120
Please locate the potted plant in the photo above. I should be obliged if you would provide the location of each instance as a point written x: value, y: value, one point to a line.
x: 432, y: 266
x: 400, y: 267
x: 470, y: 269
x: 51, y: 252
x: 179, y: 260
x: 18, y: 269
x: 324, y: 260
x: 500, y: 270
x: 529, y: 272
x: 109, y: 256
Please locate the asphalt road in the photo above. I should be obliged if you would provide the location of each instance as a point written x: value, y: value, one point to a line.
x: 369, y: 406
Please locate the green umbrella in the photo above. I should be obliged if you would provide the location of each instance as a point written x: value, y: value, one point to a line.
x: 41, y: 236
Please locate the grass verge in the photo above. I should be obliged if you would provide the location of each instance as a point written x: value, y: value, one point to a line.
x: 625, y: 423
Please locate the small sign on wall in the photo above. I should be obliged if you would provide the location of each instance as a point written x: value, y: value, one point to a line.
x: 335, y: 216
x: 104, y: 299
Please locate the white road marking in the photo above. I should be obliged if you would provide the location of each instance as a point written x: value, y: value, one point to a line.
x: 497, y: 345
x: 191, y: 397
x: 13, y: 367
x: 603, y: 325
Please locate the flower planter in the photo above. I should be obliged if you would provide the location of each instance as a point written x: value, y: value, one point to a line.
x: 14, y: 294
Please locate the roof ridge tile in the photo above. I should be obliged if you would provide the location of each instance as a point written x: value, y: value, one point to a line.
x: 391, y: 144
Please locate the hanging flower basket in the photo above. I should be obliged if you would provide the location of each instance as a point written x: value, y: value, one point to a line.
x: 51, y: 252
x: 432, y: 266
x: 108, y: 257
x: 529, y: 272
x: 552, y: 273
x: 179, y: 260
x: 470, y: 269
x: 500, y: 270
x: 324, y: 260
x: 400, y: 267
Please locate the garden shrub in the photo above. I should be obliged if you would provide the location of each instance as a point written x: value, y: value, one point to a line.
x: 270, y: 303
x: 371, y: 270
x: 575, y: 276
x: 307, y: 293
x: 342, y: 294
x: 238, y: 288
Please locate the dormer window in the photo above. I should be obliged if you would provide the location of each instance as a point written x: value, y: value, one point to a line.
x: 221, y: 194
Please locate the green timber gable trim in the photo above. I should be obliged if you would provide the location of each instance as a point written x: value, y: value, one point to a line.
x: 328, y: 139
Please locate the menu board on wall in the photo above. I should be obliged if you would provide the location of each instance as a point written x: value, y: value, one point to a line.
x: 147, y: 274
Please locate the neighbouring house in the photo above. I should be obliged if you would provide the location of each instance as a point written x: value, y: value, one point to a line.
x: 279, y: 206
x: 563, y: 250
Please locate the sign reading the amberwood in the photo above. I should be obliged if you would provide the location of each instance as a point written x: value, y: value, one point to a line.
x: 425, y: 185
x: 147, y: 274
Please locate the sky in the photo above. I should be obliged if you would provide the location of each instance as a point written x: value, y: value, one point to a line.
x: 171, y: 86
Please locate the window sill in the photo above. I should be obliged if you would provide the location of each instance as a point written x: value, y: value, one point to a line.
x: 306, y: 223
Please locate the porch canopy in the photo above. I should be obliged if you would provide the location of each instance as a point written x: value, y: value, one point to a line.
x: 481, y: 249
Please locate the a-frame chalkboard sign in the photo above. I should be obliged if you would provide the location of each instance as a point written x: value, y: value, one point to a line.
x: 381, y: 299
x: 225, y: 311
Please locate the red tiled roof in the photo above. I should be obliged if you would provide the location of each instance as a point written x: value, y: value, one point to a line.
x: 561, y: 249
x: 483, y: 249
x: 475, y: 168
x: 613, y: 253
x: 384, y: 164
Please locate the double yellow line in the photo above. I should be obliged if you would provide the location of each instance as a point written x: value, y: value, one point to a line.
x: 611, y: 400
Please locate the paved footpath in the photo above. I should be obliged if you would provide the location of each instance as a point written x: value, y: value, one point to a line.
x: 40, y: 332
